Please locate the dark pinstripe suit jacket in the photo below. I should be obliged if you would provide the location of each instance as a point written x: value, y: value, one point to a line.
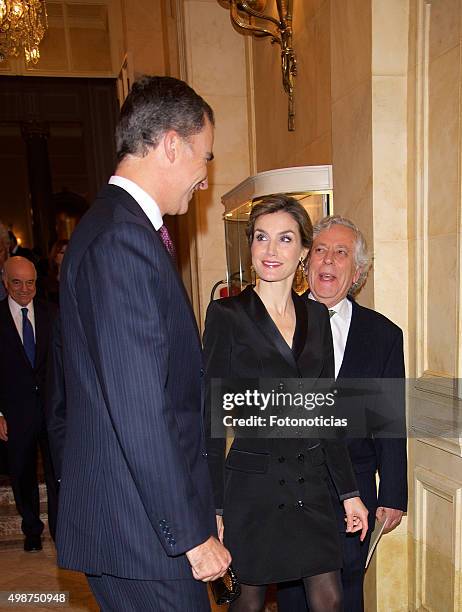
x: 135, y: 491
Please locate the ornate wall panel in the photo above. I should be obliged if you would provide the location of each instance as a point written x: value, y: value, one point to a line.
x: 439, y: 541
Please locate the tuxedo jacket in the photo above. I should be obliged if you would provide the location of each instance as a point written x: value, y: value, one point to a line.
x: 374, y: 349
x: 241, y: 341
x: 135, y: 491
x: 21, y: 385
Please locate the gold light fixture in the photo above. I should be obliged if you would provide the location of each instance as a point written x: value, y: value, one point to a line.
x: 249, y: 17
x: 23, y: 24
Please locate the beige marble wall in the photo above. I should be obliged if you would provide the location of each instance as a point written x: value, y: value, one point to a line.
x: 310, y: 144
x: 144, y: 36
x: 444, y: 108
x: 434, y: 213
x: 216, y: 68
x: 389, y: 158
x: 351, y: 108
x: 369, y: 145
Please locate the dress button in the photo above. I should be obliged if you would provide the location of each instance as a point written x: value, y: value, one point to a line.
x: 300, y: 504
x: 173, y: 541
x: 281, y: 506
x: 301, y: 457
x: 282, y: 482
x: 281, y: 459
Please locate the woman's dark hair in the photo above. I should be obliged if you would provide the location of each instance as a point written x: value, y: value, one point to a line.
x: 275, y: 203
x: 154, y: 106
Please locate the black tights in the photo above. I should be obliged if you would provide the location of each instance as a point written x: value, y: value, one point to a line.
x: 323, y: 594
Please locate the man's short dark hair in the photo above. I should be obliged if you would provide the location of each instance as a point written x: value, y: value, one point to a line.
x: 154, y: 106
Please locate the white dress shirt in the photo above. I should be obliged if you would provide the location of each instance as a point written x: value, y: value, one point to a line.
x: 340, y: 326
x: 16, y: 313
x: 148, y: 204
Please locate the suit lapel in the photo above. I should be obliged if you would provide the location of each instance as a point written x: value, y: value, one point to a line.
x: 41, y: 335
x: 132, y: 205
x: 354, y: 344
x: 309, y: 347
x: 10, y: 331
x: 301, y: 327
x: 259, y: 316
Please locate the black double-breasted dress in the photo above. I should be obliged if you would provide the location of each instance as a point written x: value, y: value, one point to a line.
x: 275, y: 493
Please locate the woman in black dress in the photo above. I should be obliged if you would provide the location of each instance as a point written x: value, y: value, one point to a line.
x: 278, y: 518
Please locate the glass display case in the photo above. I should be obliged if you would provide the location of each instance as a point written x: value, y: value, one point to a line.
x: 311, y: 185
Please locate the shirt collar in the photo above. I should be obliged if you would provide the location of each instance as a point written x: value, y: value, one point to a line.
x: 342, y: 308
x: 15, y: 307
x: 146, y: 202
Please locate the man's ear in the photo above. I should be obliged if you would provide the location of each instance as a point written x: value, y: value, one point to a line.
x: 171, y: 142
x: 356, y: 276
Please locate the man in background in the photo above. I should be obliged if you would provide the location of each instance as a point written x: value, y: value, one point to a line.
x: 25, y: 325
x: 136, y: 511
x: 366, y: 345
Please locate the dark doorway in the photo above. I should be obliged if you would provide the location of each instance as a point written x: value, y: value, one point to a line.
x: 57, y: 150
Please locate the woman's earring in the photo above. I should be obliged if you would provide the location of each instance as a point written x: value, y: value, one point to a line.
x: 300, y: 284
x: 253, y: 276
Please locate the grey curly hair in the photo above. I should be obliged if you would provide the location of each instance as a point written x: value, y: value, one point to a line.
x: 363, y: 259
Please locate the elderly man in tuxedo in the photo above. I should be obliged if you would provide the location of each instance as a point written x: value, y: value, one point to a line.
x: 136, y: 512
x: 25, y: 325
x: 366, y: 345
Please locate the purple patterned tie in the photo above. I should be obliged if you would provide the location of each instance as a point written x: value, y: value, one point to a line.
x: 168, y: 242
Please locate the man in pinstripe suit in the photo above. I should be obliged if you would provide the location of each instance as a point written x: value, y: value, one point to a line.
x: 136, y: 511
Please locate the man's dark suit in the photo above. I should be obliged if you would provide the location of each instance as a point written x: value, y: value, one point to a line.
x: 374, y: 349
x: 22, y: 403
x: 135, y: 492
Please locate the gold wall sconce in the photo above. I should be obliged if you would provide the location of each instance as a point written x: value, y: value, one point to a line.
x: 249, y: 17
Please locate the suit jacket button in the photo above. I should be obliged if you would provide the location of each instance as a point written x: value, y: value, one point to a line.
x: 281, y: 506
x: 205, y: 455
x: 300, y: 504
x: 282, y: 482
x: 301, y: 480
x: 281, y: 459
x: 202, y: 372
x: 301, y: 457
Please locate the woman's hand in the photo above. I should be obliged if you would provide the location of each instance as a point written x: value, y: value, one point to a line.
x: 356, y: 516
x: 220, y: 527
